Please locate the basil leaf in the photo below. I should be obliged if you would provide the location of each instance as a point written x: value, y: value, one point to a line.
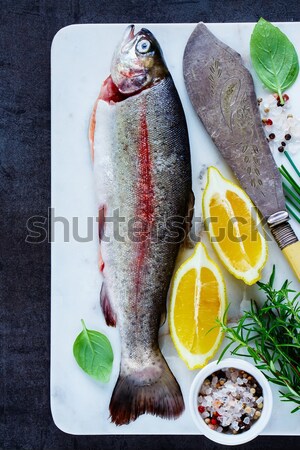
x: 93, y: 353
x: 274, y: 57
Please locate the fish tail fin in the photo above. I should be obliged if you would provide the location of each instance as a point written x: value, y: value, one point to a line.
x: 153, y: 390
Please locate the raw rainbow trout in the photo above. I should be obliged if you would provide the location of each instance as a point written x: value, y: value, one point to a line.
x: 142, y: 169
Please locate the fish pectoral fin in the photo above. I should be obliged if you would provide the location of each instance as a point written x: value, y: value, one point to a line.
x: 108, y: 312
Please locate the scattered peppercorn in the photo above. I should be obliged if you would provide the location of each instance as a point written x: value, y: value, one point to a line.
x: 213, y: 421
x: 281, y: 149
x: 285, y: 97
x: 201, y: 409
x: 269, y: 122
x: 283, y: 144
x: 287, y: 137
x: 272, y: 136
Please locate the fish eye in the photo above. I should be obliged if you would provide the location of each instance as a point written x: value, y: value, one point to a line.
x: 143, y: 46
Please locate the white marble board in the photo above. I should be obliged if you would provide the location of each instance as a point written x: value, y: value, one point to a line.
x: 80, y: 61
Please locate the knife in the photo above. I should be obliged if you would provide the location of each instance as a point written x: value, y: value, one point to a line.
x: 222, y: 92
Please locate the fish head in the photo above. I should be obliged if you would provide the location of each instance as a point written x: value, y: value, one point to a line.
x: 138, y: 62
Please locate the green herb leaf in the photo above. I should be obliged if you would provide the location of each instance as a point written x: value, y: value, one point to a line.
x: 274, y: 340
x: 93, y: 353
x: 274, y: 57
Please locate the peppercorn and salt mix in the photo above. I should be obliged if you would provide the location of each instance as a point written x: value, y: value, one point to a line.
x: 282, y: 129
x: 230, y: 401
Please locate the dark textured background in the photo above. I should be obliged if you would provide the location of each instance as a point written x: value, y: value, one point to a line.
x: 27, y: 29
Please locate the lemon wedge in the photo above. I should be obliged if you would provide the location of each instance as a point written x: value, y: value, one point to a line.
x: 197, y: 299
x: 234, y: 226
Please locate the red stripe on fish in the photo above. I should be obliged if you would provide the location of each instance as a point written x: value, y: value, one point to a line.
x: 145, y: 184
x: 145, y: 196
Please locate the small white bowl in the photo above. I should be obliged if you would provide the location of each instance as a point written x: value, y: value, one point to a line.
x: 257, y: 427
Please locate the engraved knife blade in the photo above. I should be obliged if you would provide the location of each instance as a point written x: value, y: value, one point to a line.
x: 222, y: 92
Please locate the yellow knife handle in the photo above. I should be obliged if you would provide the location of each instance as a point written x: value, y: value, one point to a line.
x: 292, y: 254
x: 288, y: 242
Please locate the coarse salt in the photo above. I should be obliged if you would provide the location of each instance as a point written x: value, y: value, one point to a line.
x: 259, y: 400
x: 231, y: 405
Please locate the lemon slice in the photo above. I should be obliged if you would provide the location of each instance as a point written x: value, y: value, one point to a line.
x: 198, y: 298
x: 234, y: 226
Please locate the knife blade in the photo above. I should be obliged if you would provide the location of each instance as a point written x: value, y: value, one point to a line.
x: 221, y: 90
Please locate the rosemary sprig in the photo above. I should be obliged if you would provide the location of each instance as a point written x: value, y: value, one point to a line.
x: 271, y: 336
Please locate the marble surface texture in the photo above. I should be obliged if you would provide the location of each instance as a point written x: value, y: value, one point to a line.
x: 80, y: 60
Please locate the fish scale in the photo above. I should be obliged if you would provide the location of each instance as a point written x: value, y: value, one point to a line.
x: 142, y: 169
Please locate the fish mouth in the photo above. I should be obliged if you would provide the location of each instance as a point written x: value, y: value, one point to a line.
x: 128, y: 34
x: 130, y: 37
